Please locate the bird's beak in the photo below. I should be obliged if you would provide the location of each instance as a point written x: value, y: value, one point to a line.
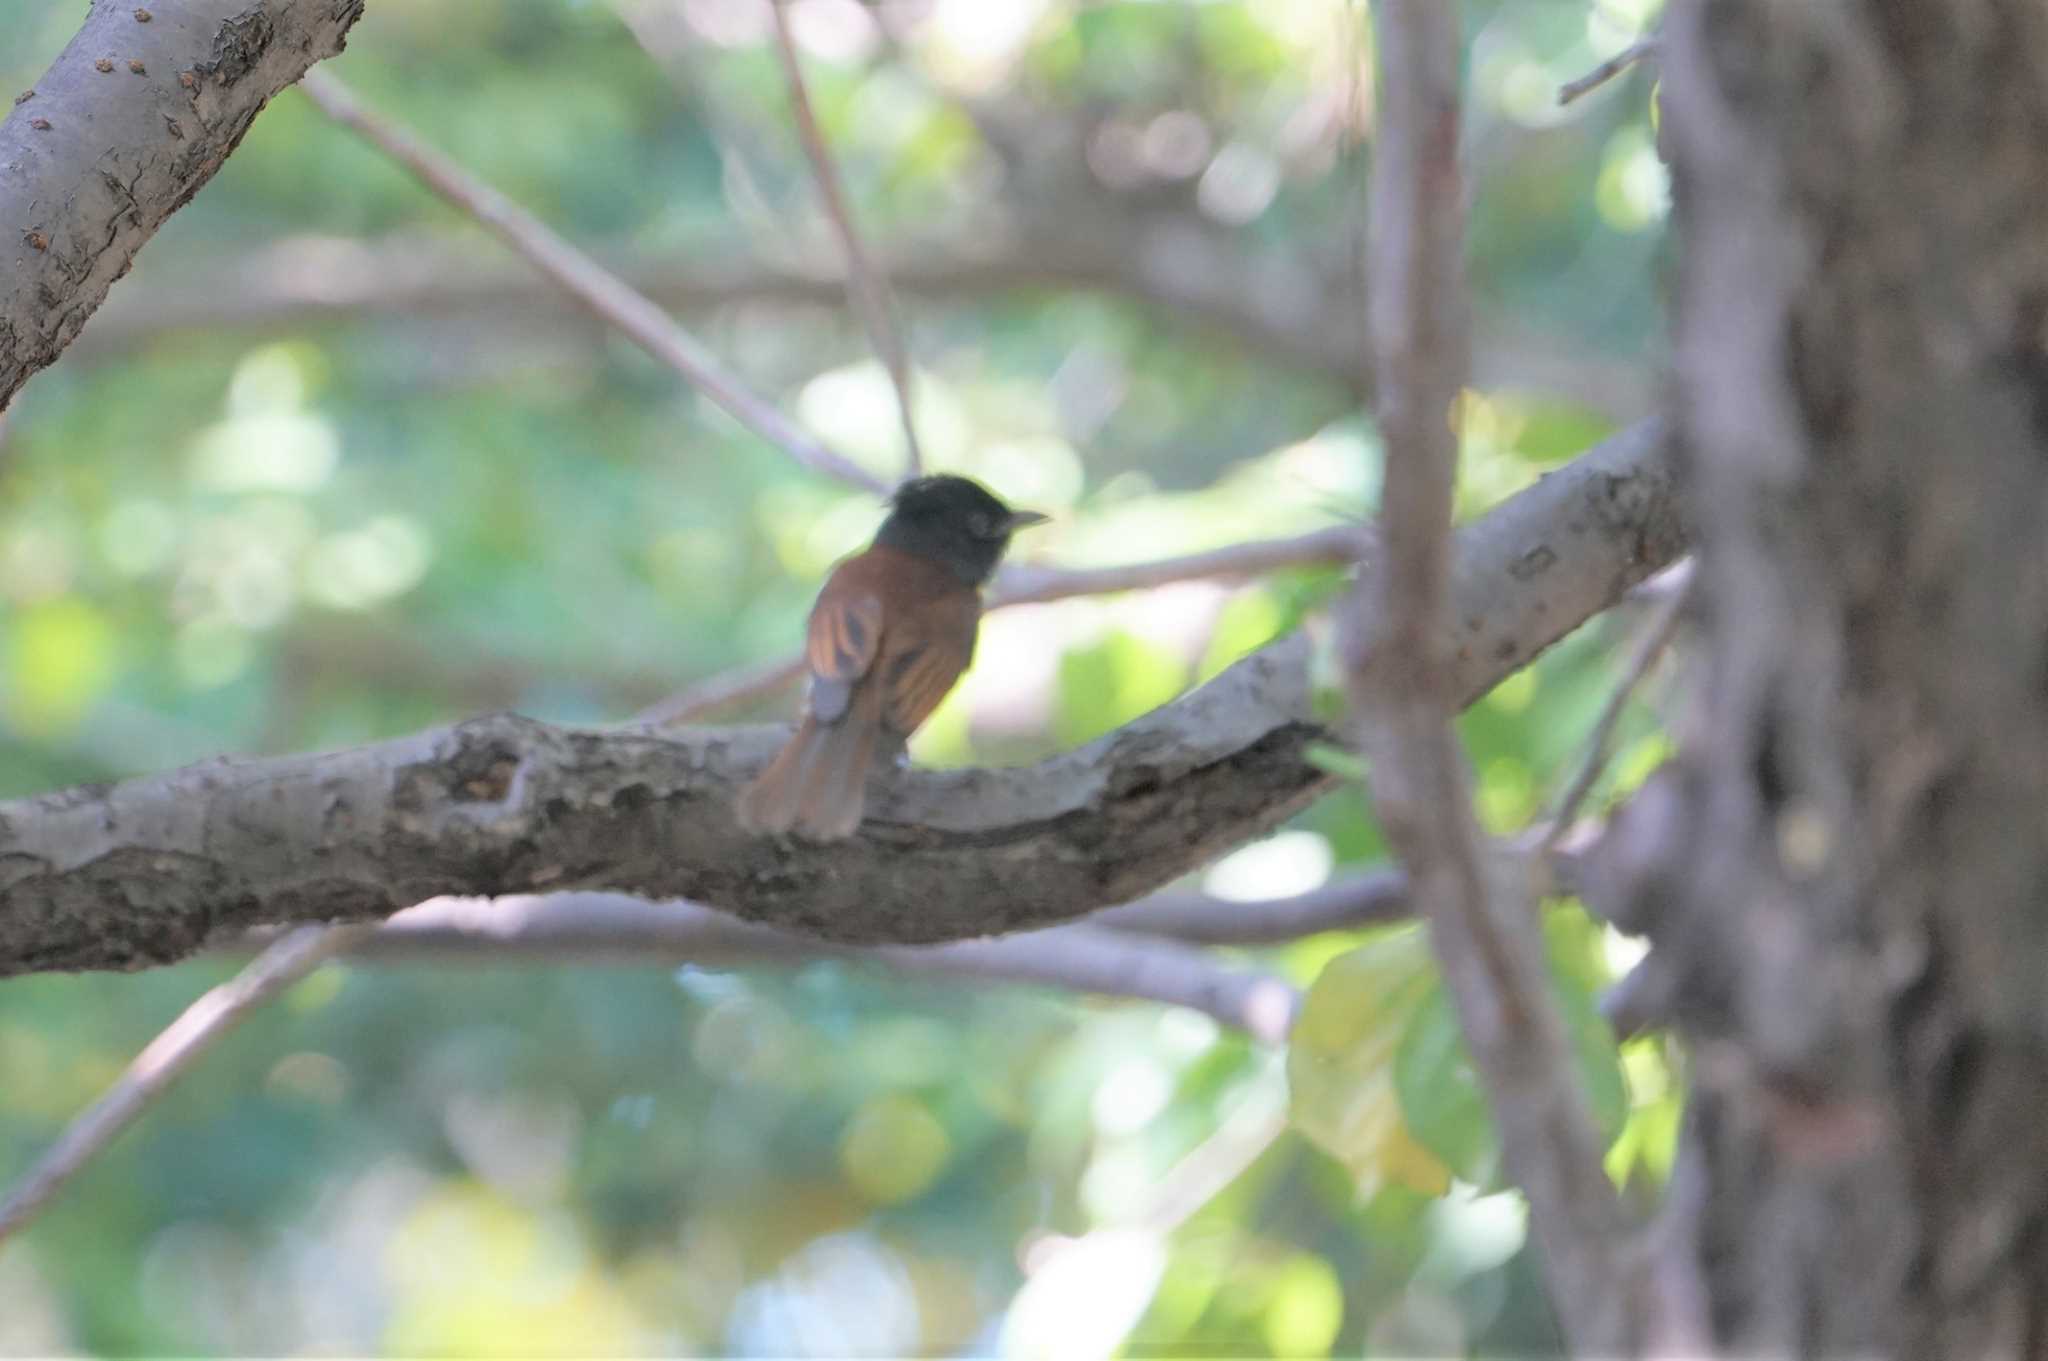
x: 1024, y: 519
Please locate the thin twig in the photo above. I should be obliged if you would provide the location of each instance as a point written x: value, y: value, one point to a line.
x: 1208, y: 1169
x: 1036, y: 585
x: 866, y: 285
x: 721, y: 691
x: 1398, y: 651
x: 1642, y: 49
x: 603, y: 292
x: 1368, y: 899
x: 166, y: 1059
x: 1373, y: 898
x: 1335, y: 545
x: 1650, y: 644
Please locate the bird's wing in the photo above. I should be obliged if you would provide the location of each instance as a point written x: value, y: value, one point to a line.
x: 916, y: 675
x: 844, y: 638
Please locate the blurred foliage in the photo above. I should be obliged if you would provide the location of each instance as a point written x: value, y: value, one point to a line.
x: 305, y: 533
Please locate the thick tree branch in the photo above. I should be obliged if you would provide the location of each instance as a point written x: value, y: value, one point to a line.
x: 146, y: 871
x: 591, y: 284
x: 93, y: 161
x: 1403, y: 685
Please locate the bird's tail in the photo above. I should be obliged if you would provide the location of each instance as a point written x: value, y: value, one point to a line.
x: 817, y: 784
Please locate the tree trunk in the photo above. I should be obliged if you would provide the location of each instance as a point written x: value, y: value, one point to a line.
x: 1853, y: 847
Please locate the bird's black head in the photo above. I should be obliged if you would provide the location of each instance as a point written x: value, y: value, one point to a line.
x: 953, y: 521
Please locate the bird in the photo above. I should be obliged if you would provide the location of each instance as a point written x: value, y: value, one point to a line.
x: 892, y: 630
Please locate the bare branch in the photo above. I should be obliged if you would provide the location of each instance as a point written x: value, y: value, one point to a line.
x: 1650, y: 644
x: 613, y: 928
x: 610, y: 928
x: 1521, y: 553
x: 165, y: 1060
x: 1034, y: 585
x: 865, y: 284
x: 1403, y: 686
x: 146, y: 870
x: 1339, y: 544
x: 1364, y: 900
x: 602, y: 292
x: 1280, y: 311
x: 1643, y: 49
x: 90, y: 168
x: 721, y: 691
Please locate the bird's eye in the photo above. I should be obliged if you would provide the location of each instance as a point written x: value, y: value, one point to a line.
x: 983, y: 526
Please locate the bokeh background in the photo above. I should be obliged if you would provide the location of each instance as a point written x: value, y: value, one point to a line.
x: 332, y: 466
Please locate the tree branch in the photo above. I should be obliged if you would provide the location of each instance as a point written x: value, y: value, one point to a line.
x: 1283, y: 311
x: 1022, y: 585
x: 1641, y: 50
x: 1403, y: 683
x: 721, y: 691
x: 866, y: 286
x: 146, y: 871
x: 1033, y: 585
x: 610, y: 928
x: 1656, y: 635
x: 1363, y: 900
x: 1556, y: 541
x: 93, y: 162
x: 602, y: 292
x: 614, y: 928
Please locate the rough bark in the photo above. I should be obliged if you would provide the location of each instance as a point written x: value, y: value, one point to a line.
x: 136, y: 114
x: 145, y: 871
x: 1851, y: 857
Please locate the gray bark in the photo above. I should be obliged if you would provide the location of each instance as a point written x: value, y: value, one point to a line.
x: 137, y: 113
x: 1849, y: 863
x: 146, y: 871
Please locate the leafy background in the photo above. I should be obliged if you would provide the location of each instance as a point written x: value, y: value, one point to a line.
x: 285, y: 529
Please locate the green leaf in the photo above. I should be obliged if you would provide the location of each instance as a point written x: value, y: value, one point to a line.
x: 1248, y: 622
x: 1335, y: 760
x: 1339, y: 1064
x: 1441, y: 1097
x: 1108, y: 685
x: 1552, y: 432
